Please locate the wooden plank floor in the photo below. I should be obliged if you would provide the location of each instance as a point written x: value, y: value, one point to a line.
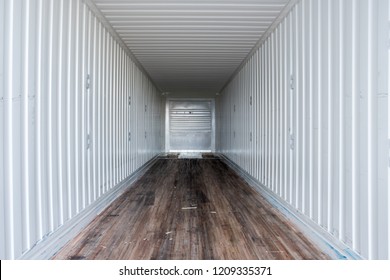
x: 190, y: 209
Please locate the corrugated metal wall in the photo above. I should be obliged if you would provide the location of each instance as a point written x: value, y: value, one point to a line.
x: 77, y: 117
x: 307, y: 116
x: 190, y: 125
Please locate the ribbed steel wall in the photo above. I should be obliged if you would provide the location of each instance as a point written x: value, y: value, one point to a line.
x: 191, y: 125
x: 307, y: 116
x: 191, y: 46
x: 77, y: 117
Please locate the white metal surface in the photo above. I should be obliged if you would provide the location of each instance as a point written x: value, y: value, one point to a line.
x: 190, y: 46
x: 388, y: 127
x: 190, y: 125
x: 306, y: 114
x: 77, y: 118
x: 322, y: 88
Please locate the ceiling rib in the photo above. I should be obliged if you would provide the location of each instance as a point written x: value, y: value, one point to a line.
x: 187, y: 45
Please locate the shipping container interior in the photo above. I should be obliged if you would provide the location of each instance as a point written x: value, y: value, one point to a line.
x: 291, y: 94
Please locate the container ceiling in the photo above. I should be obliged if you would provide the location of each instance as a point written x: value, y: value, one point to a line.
x: 191, y: 46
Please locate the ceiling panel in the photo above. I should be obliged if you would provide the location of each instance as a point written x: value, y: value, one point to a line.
x: 190, y: 46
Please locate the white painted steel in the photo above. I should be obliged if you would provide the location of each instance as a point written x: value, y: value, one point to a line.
x: 25, y: 129
x: 388, y: 132
x: 190, y: 46
x: 190, y: 125
x: 320, y: 94
x: 289, y: 99
x: 330, y: 117
x: 311, y: 110
x: 341, y: 140
x: 285, y: 95
x: 332, y: 88
x: 65, y: 118
x: 38, y: 146
x: 8, y: 97
x: 372, y: 103
x: 306, y: 113
x: 355, y: 128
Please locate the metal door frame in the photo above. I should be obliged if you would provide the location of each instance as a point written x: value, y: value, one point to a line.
x: 167, y: 136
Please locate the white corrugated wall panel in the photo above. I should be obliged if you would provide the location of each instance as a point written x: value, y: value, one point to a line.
x: 320, y: 87
x: 70, y: 95
x: 388, y: 130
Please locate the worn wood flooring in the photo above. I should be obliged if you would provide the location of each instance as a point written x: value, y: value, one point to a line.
x: 190, y: 209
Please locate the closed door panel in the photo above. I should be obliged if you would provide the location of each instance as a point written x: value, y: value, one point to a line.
x: 190, y: 125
